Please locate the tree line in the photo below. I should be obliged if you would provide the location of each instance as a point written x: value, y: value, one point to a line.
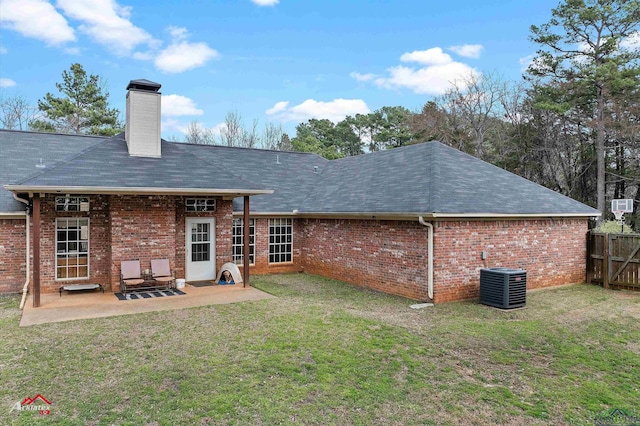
x: 571, y: 124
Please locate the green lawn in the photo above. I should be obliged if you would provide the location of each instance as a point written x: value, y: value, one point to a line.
x: 325, y: 352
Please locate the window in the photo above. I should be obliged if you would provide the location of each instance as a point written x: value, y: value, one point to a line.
x: 72, y: 248
x: 72, y: 204
x: 200, y: 204
x: 200, y: 242
x: 280, y: 240
x: 238, y: 241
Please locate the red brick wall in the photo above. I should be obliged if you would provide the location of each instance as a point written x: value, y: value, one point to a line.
x: 389, y: 256
x: 223, y: 222
x: 262, y: 265
x: 142, y: 227
x: 369, y: 253
x: 13, y: 266
x: 552, y: 251
x: 98, y: 242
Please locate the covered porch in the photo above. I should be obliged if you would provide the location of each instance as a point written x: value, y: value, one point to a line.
x: 84, y: 305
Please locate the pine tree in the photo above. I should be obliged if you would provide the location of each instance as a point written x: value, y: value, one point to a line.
x: 83, y: 108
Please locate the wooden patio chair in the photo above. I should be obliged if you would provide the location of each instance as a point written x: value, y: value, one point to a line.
x: 130, y: 275
x: 162, y: 273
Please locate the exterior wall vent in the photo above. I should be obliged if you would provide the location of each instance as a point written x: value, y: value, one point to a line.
x: 142, y: 130
x: 503, y: 288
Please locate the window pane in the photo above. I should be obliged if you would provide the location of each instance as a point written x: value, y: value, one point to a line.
x: 238, y: 240
x: 72, y: 246
x: 280, y: 240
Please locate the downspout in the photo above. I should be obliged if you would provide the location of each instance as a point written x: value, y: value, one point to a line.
x: 26, y: 282
x: 429, y: 257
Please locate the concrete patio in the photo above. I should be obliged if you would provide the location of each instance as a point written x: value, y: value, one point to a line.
x: 75, y: 306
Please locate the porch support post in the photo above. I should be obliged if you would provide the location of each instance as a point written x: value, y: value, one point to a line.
x: 245, y: 249
x: 36, y: 250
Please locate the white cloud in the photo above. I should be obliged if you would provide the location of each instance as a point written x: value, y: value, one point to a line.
x: 173, y: 125
x: 632, y: 42
x: 75, y: 51
x: 436, y: 75
x: 265, y: 2
x: 335, y: 110
x: 7, y: 82
x: 433, y: 56
x: 432, y: 80
x: 278, y: 107
x: 36, y: 19
x: 107, y: 23
x: 467, y: 50
x: 177, y: 105
x: 178, y: 33
x: 362, y: 77
x: 525, y: 61
x: 182, y: 55
x: 143, y: 56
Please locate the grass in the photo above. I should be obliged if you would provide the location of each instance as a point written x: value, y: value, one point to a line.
x: 324, y: 352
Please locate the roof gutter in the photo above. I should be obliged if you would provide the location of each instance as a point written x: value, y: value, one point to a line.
x: 13, y: 215
x: 429, y: 256
x: 508, y: 215
x: 412, y: 216
x: 114, y: 190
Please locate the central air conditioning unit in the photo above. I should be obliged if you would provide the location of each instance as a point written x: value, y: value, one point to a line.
x: 503, y: 288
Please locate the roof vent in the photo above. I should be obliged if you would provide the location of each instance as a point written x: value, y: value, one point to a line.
x: 40, y: 165
x: 315, y: 169
x: 278, y: 159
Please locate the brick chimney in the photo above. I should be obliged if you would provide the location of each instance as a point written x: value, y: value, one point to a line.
x: 142, y: 131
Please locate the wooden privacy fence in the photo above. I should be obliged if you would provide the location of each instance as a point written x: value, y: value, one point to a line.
x: 613, y: 260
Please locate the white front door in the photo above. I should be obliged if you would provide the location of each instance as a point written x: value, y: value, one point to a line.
x: 201, y: 249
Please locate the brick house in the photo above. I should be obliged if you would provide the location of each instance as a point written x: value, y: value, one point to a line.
x: 413, y: 221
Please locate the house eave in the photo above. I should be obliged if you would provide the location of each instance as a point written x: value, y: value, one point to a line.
x: 415, y: 215
x: 508, y: 215
x: 42, y: 189
x: 13, y: 215
x: 239, y: 213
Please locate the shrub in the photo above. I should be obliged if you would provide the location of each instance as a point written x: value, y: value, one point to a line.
x: 613, y: 227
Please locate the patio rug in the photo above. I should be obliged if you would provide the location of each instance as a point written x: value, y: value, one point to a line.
x: 135, y: 295
x: 202, y: 283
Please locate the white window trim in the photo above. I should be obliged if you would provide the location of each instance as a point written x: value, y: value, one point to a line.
x: 81, y: 204
x: 55, y: 249
x: 250, y: 245
x: 273, y: 244
x: 201, y: 204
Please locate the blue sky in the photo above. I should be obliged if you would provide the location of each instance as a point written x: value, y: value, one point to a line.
x: 276, y: 61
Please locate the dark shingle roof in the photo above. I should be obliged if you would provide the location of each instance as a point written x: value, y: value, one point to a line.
x: 290, y: 174
x: 109, y: 164
x: 20, y: 152
x: 418, y: 179
x: 431, y: 178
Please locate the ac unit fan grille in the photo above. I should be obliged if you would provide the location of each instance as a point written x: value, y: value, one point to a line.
x: 503, y: 287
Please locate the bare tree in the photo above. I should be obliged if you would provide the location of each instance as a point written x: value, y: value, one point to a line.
x: 474, y: 101
x: 16, y: 113
x: 199, y: 135
x: 231, y: 134
x: 272, y: 137
x: 250, y: 138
